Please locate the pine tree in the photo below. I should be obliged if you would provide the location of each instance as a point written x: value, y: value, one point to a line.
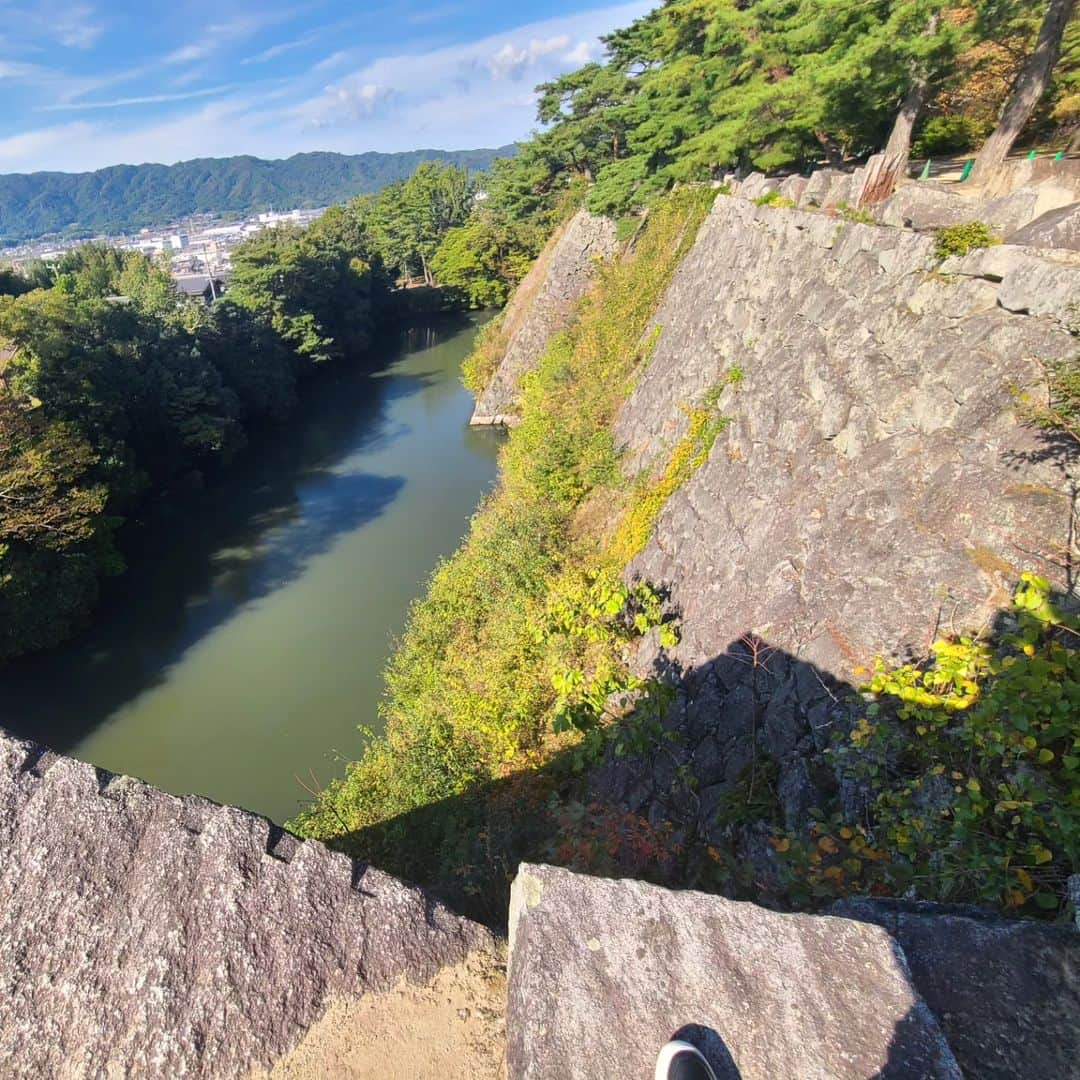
x: 1027, y: 91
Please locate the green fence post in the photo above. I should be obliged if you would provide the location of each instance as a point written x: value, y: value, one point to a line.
x: 1032, y: 156
x: 968, y: 166
x: 1059, y: 155
x: 925, y: 174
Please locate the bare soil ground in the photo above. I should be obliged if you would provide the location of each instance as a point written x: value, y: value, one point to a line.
x: 450, y: 1030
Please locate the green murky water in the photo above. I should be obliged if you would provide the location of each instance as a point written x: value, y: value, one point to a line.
x: 247, y: 640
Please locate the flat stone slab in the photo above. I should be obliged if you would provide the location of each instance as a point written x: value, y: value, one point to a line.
x: 603, y: 973
x: 1058, y: 228
x: 1007, y: 991
x: 147, y: 935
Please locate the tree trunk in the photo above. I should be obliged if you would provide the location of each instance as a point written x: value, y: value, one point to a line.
x: 893, y: 163
x: 881, y: 181
x: 833, y: 156
x: 1026, y: 93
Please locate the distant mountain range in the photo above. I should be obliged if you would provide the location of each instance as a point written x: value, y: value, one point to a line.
x: 126, y: 197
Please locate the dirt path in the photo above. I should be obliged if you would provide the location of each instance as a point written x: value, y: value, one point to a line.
x: 450, y: 1030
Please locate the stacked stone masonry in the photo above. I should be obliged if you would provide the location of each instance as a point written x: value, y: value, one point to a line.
x: 147, y: 935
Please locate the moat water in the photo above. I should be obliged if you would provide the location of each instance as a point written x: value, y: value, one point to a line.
x: 245, y: 644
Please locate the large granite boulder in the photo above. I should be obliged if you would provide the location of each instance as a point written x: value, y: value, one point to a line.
x: 1007, y: 992
x: 1058, y: 228
x: 602, y: 973
x: 541, y: 306
x: 758, y: 184
x: 1009, y: 213
x: 924, y: 206
x: 146, y: 935
x: 823, y: 188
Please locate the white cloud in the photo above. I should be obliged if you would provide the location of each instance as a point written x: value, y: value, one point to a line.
x: 351, y: 100
x: 446, y: 98
x: 76, y: 27
x: 188, y: 53
x: 146, y: 99
x: 46, y: 82
x: 467, y: 81
x: 49, y: 23
x: 279, y: 50
x: 511, y: 61
x: 25, y: 151
x: 14, y: 69
x: 584, y: 52
x: 334, y: 60
x: 235, y: 28
x: 191, y: 75
x: 430, y: 15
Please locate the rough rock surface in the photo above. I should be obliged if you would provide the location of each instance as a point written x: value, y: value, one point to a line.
x: 874, y: 487
x: 602, y: 973
x: 1007, y: 992
x: 826, y: 187
x: 541, y: 306
x: 1058, y: 228
x: 924, y: 206
x: 146, y: 935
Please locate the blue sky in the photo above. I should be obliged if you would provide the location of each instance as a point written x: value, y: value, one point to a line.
x: 87, y: 83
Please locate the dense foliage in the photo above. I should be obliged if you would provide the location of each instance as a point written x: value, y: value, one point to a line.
x: 973, y: 762
x: 441, y: 225
x: 964, y: 237
x: 127, y: 197
x: 113, y: 385
x: 697, y: 87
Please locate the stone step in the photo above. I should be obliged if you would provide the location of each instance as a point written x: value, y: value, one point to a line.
x: 602, y: 973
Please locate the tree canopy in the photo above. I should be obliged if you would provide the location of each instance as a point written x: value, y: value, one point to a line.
x: 698, y: 87
x: 112, y: 384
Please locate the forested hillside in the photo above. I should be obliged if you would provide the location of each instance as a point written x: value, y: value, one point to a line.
x: 125, y: 197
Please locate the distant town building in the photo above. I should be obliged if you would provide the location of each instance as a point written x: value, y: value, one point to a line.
x: 209, y: 289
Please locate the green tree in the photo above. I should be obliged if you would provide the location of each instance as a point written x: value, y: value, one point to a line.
x: 311, y: 288
x: 1031, y: 83
x: 13, y: 283
x: 54, y: 537
x: 408, y: 220
x: 483, y: 259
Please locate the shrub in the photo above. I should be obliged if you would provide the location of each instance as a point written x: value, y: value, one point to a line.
x: 962, y: 238
x: 973, y: 762
x: 774, y: 198
x: 948, y: 135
